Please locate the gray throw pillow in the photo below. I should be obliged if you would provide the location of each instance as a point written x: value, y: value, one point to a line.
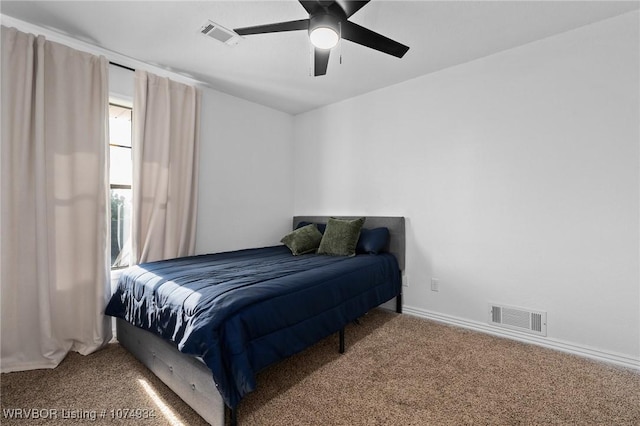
x: 341, y: 237
x: 303, y: 240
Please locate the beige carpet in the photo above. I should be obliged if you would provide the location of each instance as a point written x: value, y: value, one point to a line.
x: 397, y: 370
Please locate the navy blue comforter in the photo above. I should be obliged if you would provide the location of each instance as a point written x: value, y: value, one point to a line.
x: 242, y: 311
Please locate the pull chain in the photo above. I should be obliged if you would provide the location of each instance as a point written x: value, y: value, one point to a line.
x: 340, y: 35
x: 311, y: 58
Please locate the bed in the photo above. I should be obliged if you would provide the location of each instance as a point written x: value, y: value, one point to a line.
x: 205, y: 325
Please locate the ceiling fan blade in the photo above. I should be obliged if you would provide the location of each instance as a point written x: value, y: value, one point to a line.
x: 310, y: 5
x: 320, y: 61
x: 301, y: 24
x: 351, y: 7
x: 366, y: 37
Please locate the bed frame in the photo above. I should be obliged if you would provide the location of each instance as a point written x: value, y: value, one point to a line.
x: 188, y: 376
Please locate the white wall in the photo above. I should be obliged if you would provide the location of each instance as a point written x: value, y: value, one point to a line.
x: 246, y: 169
x: 519, y: 177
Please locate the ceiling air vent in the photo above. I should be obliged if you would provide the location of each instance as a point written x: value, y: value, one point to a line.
x: 528, y: 321
x: 220, y: 33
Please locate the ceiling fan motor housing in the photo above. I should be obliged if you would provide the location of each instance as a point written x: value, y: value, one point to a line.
x: 325, y: 20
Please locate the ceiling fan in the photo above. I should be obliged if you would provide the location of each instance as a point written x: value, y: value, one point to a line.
x: 327, y: 24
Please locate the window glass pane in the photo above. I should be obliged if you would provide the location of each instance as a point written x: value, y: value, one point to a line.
x: 119, y: 125
x: 120, y: 227
x: 120, y: 174
x: 120, y: 167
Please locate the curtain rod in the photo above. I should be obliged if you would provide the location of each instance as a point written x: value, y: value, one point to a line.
x: 121, y: 66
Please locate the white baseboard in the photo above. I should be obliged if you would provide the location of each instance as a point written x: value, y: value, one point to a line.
x: 621, y: 360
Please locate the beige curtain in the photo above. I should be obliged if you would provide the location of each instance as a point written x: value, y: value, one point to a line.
x: 166, y: 126
x: 54, y: 276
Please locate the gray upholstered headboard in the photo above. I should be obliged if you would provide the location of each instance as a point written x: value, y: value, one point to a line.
x: 395, y: 224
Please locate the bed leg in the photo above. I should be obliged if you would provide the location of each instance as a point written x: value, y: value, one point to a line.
x: 399, y: 303
x: 341, y: 335
x: 233, y: 416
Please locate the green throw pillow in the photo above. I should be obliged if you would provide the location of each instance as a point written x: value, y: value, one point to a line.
x: 341, y: 237
x: 303, y: 240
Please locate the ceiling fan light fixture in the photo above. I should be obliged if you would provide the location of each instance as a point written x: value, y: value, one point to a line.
x: 324, y: 37
x: 327, y: 25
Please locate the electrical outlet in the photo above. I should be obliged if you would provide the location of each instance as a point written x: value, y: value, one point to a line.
x: 435, y: 284
x: 405, y: 281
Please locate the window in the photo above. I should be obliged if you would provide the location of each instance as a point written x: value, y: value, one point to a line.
x: 120, y: 178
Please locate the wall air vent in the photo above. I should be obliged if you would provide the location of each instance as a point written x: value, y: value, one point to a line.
x: 220, y: 33
x: 525, y: 320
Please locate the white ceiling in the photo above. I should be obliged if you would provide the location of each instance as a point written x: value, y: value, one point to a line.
x: 274, y: 69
